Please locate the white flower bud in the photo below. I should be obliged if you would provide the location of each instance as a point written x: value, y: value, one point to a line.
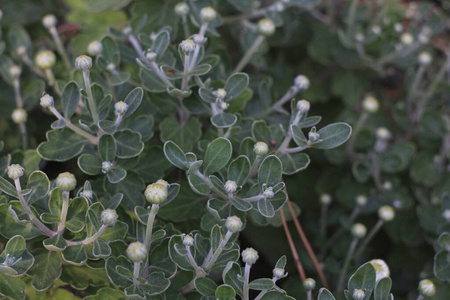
x: 313, y: 136
x: 381, y: 268
x: 110, y: 67
x: 19, y: 115
x: 261, y: 148
x: 266, y: 27
x: 181, y: 9
x: 220, y: 93
x: 95, y: 48
x: 199, y: 39
x: 398, y: 27
x: 107, y: 166
x: 66, y: 181
x: 188, y: 240
x: 234, y: 224
x: 230, y: 186
x: 121, y: 107
x: 87, y: 194
x: 359, y: 230
x: 301, y: 82
x: 21, y: 50
x: 383, y: 133
x: 278, y: 273
x: 14, y: 72
x: 45, y: 59
x: 303, y: 106
x: 46, y: 100
x: 358, y: 294
x: 325, y: 199
x: 151, y: 56
x: 83, y: 62
x: 386, y: 213
x: 446, y: 215
x: 268, y: 193
x: 109, y: 217
x: 427, y: 288
x: 15, y: 171
x: 376, y: 29
x: 423, y: 38
x: 127, y: 30
x: 136, y: 251
x: 361, y: 200
x: 309, y: 284
x: 250, y: 256
x: 224, y: 105
x: 370, y: 104
x: 407, y: 39
x: 163, y: 183
x: 359, y: 37
x: 187, y: 46
x: 207, y: 14
x: 49, y: 21
x: 156, y: 193
x: 425, y: 58
x: 387, y: 185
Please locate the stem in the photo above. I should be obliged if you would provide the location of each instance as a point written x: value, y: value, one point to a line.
x: 23, y: 132
x: 420, y: 297
x: 52, y: 82
x: 48, y: 232
x: 151, y: 219
x: 17, y: 94
x: 293, y: 90
x: 185, y: 27
x: 91, y: 239
x: 349, y: 149
x: 92, y: 139
x: 369, y: 237
x: 218, y: 250
x: 403, y: 52
x: 60, y: 47
x: 185, y: 79
x: 323, y: 220
x: 27, y: 60
x: 293, y: 150
x: 198, y: 270
x: 197, y: 48
x: 348, y: 258
x: 92, y: 105
x: 413, y: 91
x: 136, y: 269
x: 309, y: 295
x: 248, y: 55
x: 245, y: 290
x: 65, y: 207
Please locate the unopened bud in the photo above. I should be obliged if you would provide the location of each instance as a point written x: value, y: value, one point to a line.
x: 234, y: 224
x: 83, y: 62
x: 109, y: 217
x: 220, y: 93
x: 381, y: 268
x: 266, y: 27
x: 301, y: 82
x: 268, y: 193
x: 313, y: 136
x: 19, y: 115
x: 163, y: 183
x: 383, y: 133
x: 95, y: 48
x: 121, y: 107
x: 207, y: 14
x: 386, y: 213
x: 230, y: 186
x: 66, y: 182
x: 199, y: 39
x: 309, y: 284
x: 303, y: 106
x: 407, y: 39
x: 425, y: 58
x: 261, y: 148
x: 156, y: 193
x: 14, y: 72
x: 136, y: 252
x: 278, y: 272
x: 181, y: 9
x: 359, y: 230
x: 325, y: 199
x: 107, y: 166
x: 370, y: 104
x: 49, y: 21
x: 47, y: 100
x: 187, y: 46
x: 151, y: 56
x: 250, y: 256
x: 427, y: 288
x: 45, y: 59
x: 15, y: 171
x: 358, y: 294
x: 188, y: 240
x: 361, y: 200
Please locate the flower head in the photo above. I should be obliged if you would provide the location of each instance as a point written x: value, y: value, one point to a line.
x: 19, y: 115
x: 230, y: 186
x: 425, y: 58
x: 427, y: 288
x: 381, y: 268
x: 359, y: 230
x: 46, y: 100
x: 136, y: 251
x: 358, y: 294
x: 266, y: 27
x: 109, y: 217
x: 207, y: 14
x: 325, y: 199
x: 250, y: 256
x: 361, y: 200
x: 156, y: 193
x: 120, y: 107
x: 234, y: 224
x: 188, y: 240
x: 15, y: 171
x: 309, y: 284
x: 268, y: 193
x: 49, y: 21
x: 66, y: 182
x: 301, y: 82
x: 261, y: 148
x: 45, y: 59
x: 95, y: 48
x: 407, y: 39
x: 386, y: 213
x: 83, y: 62
x: 370, y: 104
x: 181, y: 9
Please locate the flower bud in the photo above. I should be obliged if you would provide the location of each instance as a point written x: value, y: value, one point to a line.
x: 370, y: 104
x: 107, y: 166
x: 127, y: 30
x: 407, y: 39
x: 156, y: 193
x: 110, y: 67
x: 266, y: 27
x: 136, y: 251
x: 381, y: 268
x: 220, y: 93
x: 181, y: 9
x: 15, y: 171
x: 358, y: 294
x: 359, y: 37
x: 188, y: 240
x: 224, y: 105
x: 95, y: 48
x: 376, y: 29
x: 325, y: 199
x: 301, y: 82
x: 309, y: 284
x: 230, y: 186
x: 313, y: 136
x: 361, y: 200
x: 199, y: 39
x: 234, y: 224
x: 383, y: 133
x: 261, y: 148
x: 427, y: 288
x: 387, y: 185
x: 278, y: 273
x: 303, y: 106
x: 446, y: 215
x: 49, y: 21
x: 187, y: 46
x: 21, y: 50
x: 250, y: 256
x: 109, y: 217
x: 47, y: 100
x: 163, y: 183
x: 121, y: 107
x: 359, y: 230
x: 83, y: 62
x: 268, y: 193
x: 87, y: 194
x: 19, y: 115
x: 66, y: 182
x: 14, y: 72
x: 207, y: 14
x: 151, y: 56
x: 425, y: 58
x: 386, y: 213
x: 398, y: 27
x: 423, y: 38
x: 45, y: 59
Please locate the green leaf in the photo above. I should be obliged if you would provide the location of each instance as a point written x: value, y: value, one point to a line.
x: 363, y: 279
x: 441, y: 266
x: 101, y: 249
x: 239, y: 170
x: 70, y: 99
x: 55, y: 243
x: 9, y: 227
x: 198, y: 185
x: 217, y: 155
x: 118, y: 279
x: 333, y: 135
x: 39, y: 185
x: 110, y: 53
x: 90, y: 164
x: 46, y: 269
x: 185, y: 136
x: 223, y: 120
x: 18, y: 37
x: 205, y: 286
x: 133, y: 99
x: 175, y: 155
x: 75, y: 255
x: 116, y: 175
x: 156, y: 284
x: 261, y: 132
x: 275, y: 295
x: 61, y: 145
x: 235, y: 85
x: 161, y: 43
x: 12, y: 287
x: 119, y: 78
x: 20, y: 260
x: 76, y: 214
x: 225, y: 292
x: 131, y: 187
x: 231, y: 275
x: 7, y: 188
x: 107, y: 147
x: 270, y: 171
x: 107, y: 293
x: 281, y: 262
x: 129, y: 143
x: 294, y: 162
x: 266, y: 208
x: 298, y: 136
x: 261, y: 284
x: 325, y: 294
x: 383, y: 289
x: 200, y: 70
